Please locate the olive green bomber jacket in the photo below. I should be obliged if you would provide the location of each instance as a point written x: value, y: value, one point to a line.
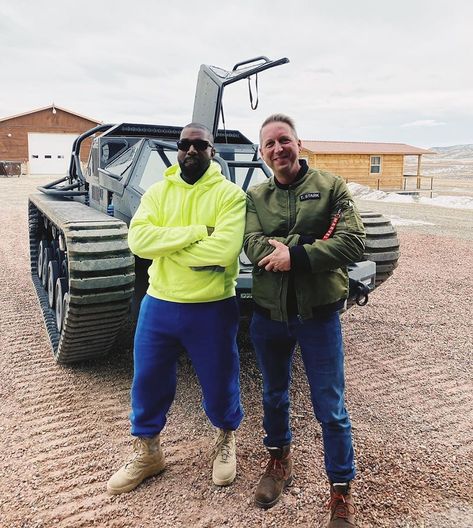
x: 301, y: 213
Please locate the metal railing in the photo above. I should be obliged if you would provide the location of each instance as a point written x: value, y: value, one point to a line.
x: 369, y: 182
x: 419, y: 182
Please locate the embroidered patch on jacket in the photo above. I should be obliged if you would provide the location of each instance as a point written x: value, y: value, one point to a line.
x: 309, y: 196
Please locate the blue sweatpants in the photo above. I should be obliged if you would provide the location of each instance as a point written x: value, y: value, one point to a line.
x: 207, y: 331
x: 321, y: 345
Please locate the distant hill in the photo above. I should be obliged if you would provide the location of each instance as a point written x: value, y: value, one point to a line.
x: 454, y: 152
x: 447, y: 163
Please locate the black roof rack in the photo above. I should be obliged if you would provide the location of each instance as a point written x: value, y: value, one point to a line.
x: 171, y: 132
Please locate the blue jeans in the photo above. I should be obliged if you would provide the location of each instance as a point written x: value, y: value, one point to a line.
x: 207, y: 331
x: 321, y: 345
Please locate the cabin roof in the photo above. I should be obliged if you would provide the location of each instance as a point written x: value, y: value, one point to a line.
x: 360, y: 147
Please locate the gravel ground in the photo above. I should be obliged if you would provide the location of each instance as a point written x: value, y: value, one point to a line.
x: 441, y: 222
x: 409, y: 392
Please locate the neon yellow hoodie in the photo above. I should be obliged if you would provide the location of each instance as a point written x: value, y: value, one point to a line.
x: 170, y: 227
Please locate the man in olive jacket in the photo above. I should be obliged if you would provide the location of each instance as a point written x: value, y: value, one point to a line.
x: 302, y: 229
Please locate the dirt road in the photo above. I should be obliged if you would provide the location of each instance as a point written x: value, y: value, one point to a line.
x: 409, y: 391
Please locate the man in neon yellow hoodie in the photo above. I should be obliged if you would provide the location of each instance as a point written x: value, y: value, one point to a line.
x: 191, y: 226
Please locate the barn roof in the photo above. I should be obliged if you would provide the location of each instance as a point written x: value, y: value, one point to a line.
x: 359, y: 147
x: 50, y: 107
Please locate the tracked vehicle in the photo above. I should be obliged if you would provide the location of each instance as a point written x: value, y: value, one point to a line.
x: 85, y: 275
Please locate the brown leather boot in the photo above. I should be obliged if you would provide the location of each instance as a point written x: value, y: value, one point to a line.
x: 341, y: 506
x: 277, y: 476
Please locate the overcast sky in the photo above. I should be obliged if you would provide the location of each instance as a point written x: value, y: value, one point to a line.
x: 363, y: 70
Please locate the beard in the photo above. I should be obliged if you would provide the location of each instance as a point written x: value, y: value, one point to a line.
x: 193, y: 168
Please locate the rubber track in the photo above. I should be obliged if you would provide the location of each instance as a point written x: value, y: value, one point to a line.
x: 101, y: 277
x: 381, y: 244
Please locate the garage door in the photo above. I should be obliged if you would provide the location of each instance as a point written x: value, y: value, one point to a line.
x: 49, y: 153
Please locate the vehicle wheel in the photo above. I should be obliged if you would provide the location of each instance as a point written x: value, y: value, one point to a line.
x: 53, y: 274
x: 381, y: 244
x: 60, y: 256
x: 60, y: 295
x: 41, y: 247
x: 64, y: 271
x: 47, y: 257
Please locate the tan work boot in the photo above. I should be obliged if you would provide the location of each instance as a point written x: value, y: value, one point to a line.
x: 224, y: 458
x: 147, y: 460
x: 341, y: 506
x: 277, y: 476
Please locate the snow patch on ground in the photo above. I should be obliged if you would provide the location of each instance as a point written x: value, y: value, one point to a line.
x: 453, y: 202
x: 398, y: 221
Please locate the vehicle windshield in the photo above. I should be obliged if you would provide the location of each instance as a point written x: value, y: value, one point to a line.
x: 156, y: 162
x: 122, y: 163
x: 158, y: 158
x: 246, y: 177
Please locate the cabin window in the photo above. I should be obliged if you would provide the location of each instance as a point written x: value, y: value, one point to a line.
x: 375, y: 165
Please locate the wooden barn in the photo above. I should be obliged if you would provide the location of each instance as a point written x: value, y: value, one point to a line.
x: 41, y: 140
x: 377, y: 165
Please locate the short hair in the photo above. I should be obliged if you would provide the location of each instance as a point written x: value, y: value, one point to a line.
x: 200, y: 127
x: 279, y: 118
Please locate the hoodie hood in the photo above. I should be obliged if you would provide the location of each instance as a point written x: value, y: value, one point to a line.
x: 211, y: 176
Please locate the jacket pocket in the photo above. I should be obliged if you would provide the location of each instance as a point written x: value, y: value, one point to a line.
x: 187, y: 285
x: 266, y: 288
x: 351, y: 218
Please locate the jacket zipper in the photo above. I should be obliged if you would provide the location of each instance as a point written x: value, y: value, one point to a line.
x: 285, y: 276
x: 291, y: 208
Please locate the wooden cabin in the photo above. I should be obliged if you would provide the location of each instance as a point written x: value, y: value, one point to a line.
x: 41, y: 140
x: 376, y: 165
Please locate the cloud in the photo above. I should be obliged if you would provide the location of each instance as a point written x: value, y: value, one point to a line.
x: 316, y: 72
x: 423, y: 123
x: 357, y: 70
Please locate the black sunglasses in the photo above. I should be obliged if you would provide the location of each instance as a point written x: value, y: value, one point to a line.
x: 198, y: 144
